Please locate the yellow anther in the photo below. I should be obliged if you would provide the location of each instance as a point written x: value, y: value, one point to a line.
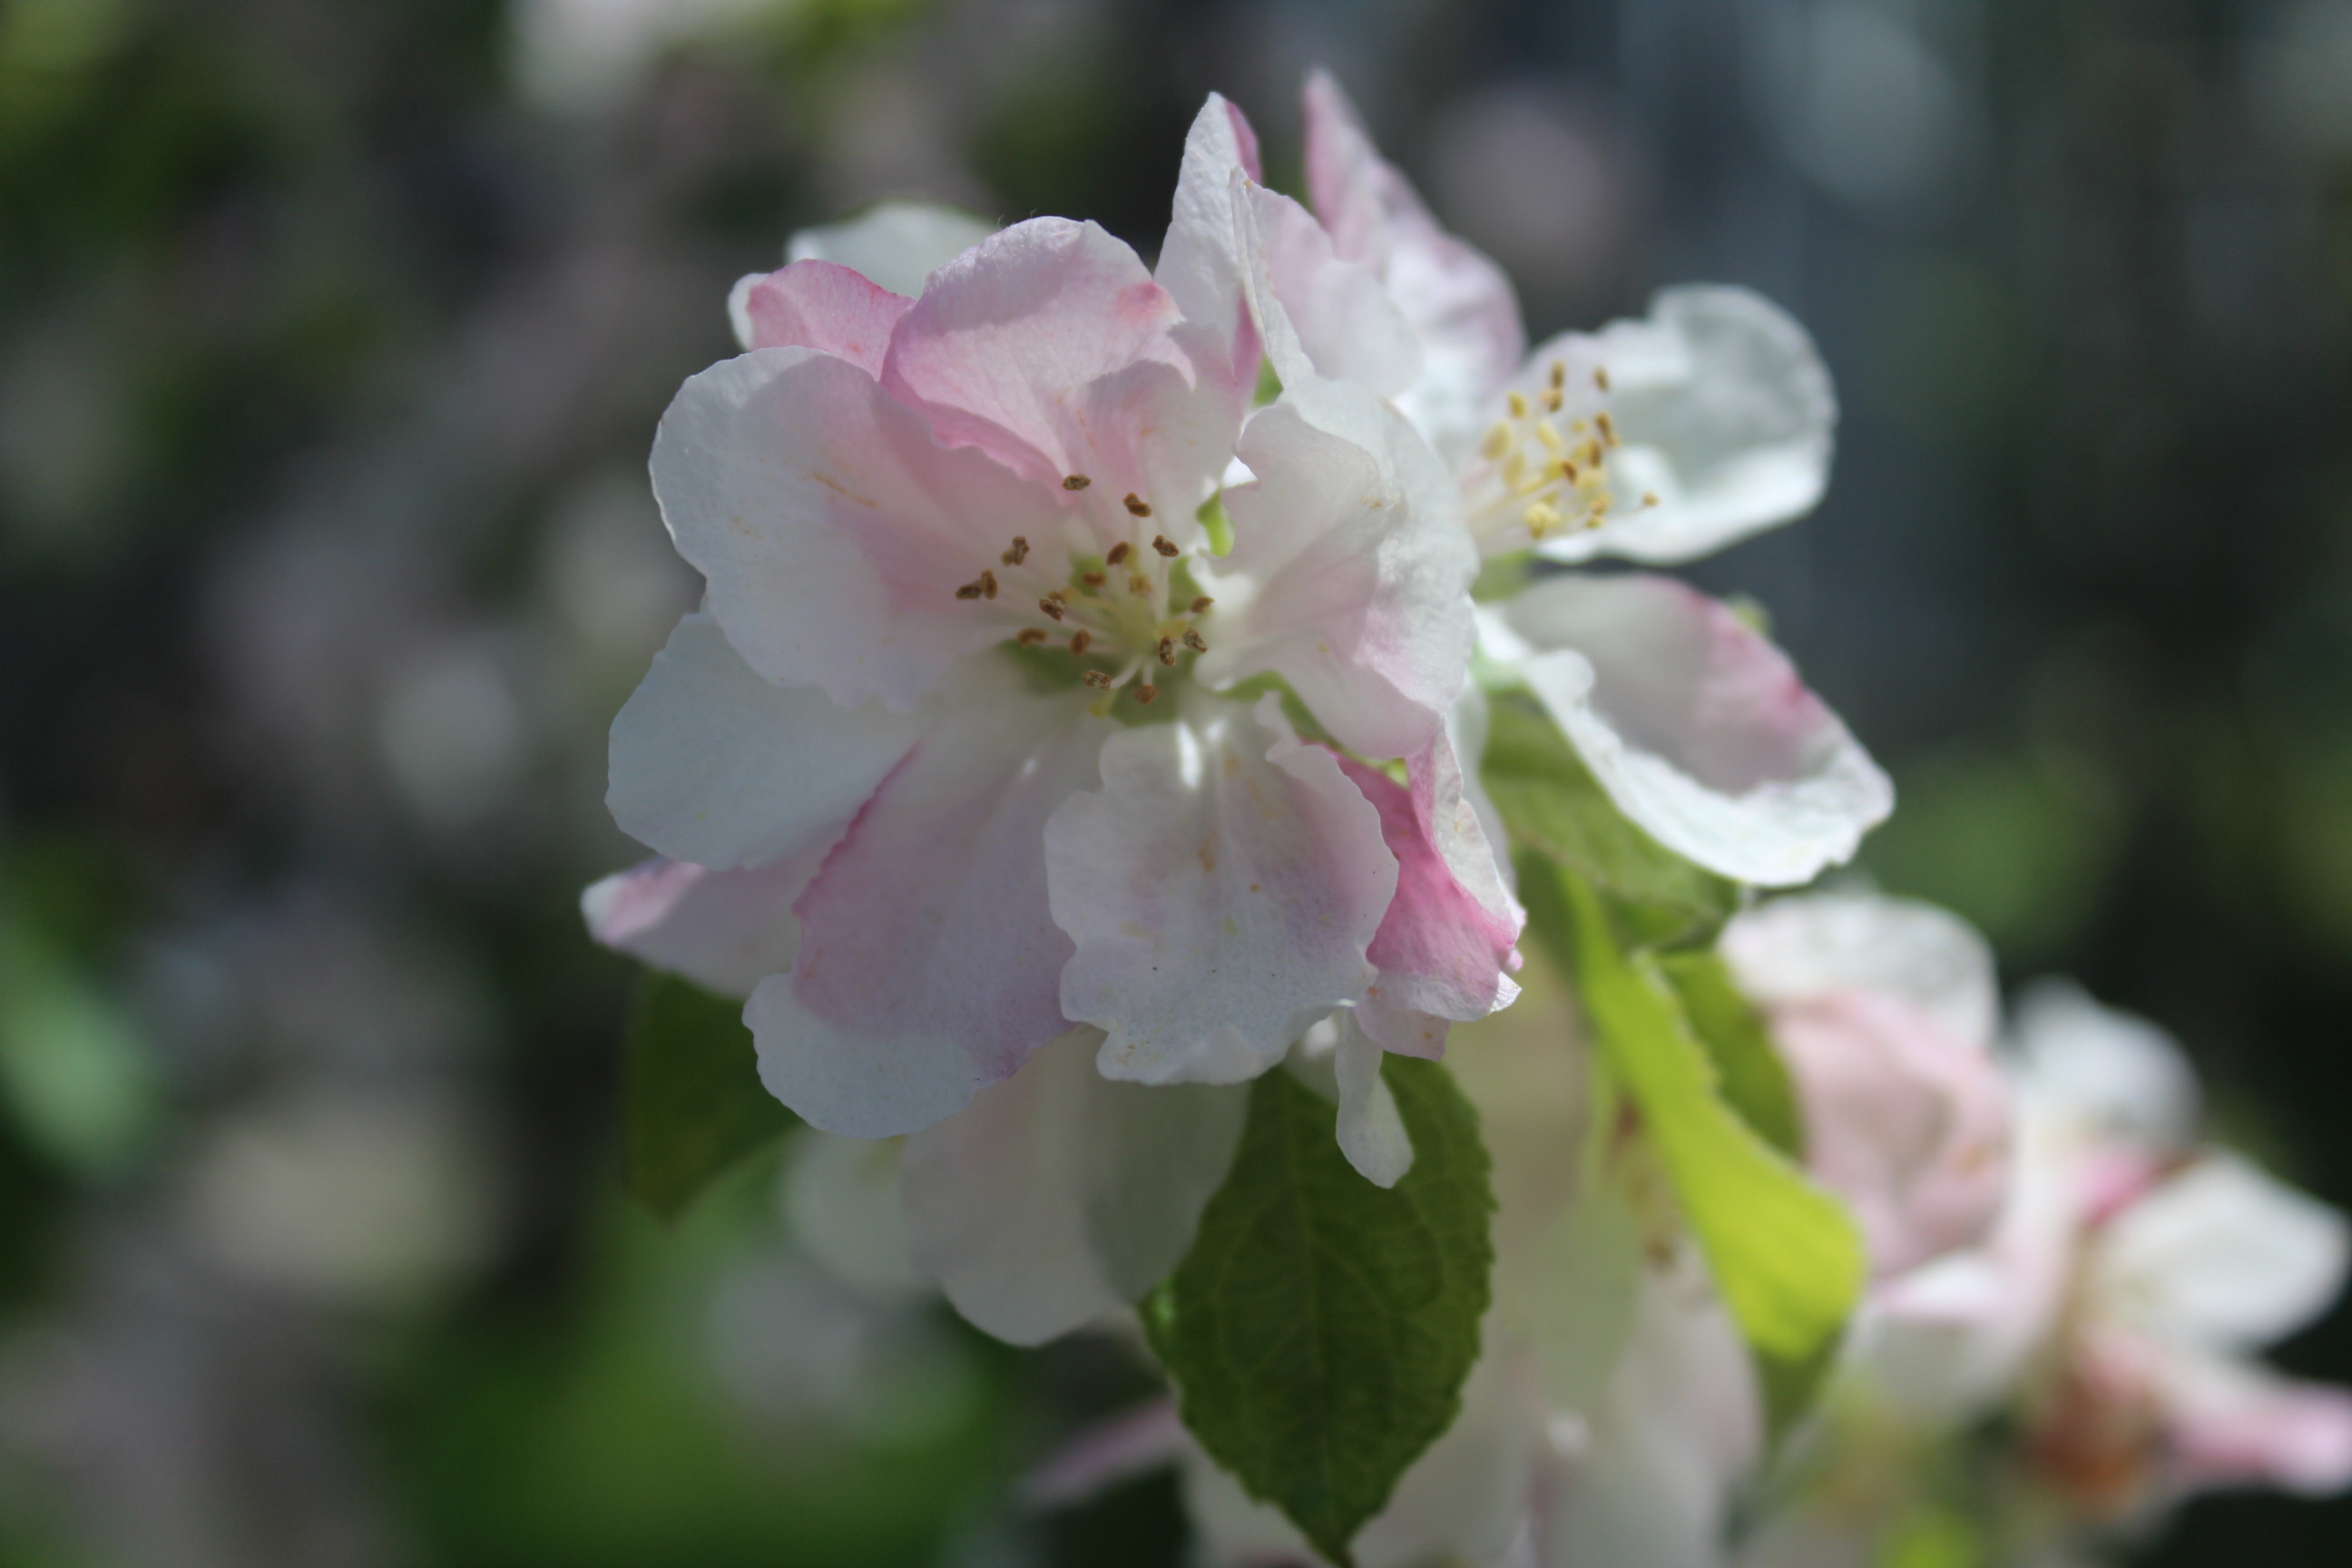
x: 1649, y: 498
x: 1559, y: 374
x: 1518, y: 405
x: 1568, y: 469
x: 1549, y: 434
x: 1590, y: 452
x: 1608, y: 428
x: 1551, y: 400
x: 1600, y: 505
x: 1076, y: 482
x: 1498, y: 440
x: 1541, y: 518
x: 1514, y: 468
x: 1137, y: 506
x: 1601, y: 376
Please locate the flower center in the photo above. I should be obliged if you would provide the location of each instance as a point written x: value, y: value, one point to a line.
x: 1123, y: 618
x: 1544, y: 473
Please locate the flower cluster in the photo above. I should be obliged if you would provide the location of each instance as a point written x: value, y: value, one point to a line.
x: 1128, y: 699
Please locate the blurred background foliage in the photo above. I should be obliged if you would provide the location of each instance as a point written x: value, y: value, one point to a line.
x: 332, y: 335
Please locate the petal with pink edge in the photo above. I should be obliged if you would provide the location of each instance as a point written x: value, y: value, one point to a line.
x: 929, y: 963
x: 713, y: 764
x: 1048, y: 346
x: 896, y: 244
x: 1697, y: 726
x: 1372, y: 1130
x: 1057, y: 1196
x: 1320, y: 315
x: 1221, y: 889
x: 1449, y: 940
x: 1348, y: 576
x: 833, y: 529
x: 2101, y: 1074
x: 1726, y: 416
x: 1201, y: 263
x: 2233, y: 1424
x: 1460, y: 304
x: 817, y: 305
x: 725, y: 930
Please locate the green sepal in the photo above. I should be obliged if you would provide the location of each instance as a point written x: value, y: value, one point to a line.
x: 692, y: 1104
x: 1320, y: 1330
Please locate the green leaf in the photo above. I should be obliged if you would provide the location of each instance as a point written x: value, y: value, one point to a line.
x: 1750, y: 1073
x: 1320, y: 1330
x: 1785, y: 1253
x: 1551, y: 802
x: 693, y: 1104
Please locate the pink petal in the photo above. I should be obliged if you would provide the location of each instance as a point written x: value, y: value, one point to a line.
x: 834, y: 527
x: 727, y: 930
x: 1220, y: 889
x: 1450, y: 937
x: 1338, y: 319
x: 818, y: 305
x: 1905, y: 1120
x: 1460, y: 304
x: 929, y: 964
x: 1048, y: 346
x: 2233, y: 1425
x: 1355, y: 572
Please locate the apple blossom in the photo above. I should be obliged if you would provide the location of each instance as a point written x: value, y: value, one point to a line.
x: 1656, y: 441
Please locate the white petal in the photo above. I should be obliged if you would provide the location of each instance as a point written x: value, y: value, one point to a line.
x: 725, y: 930
x: 2101, y: 1072
x: 1699, y: 728
x: 1201, y: 263
x: 2222, y: 1255
x: 714, y: 764
x: 1336, y: 319
x: 1349, y: 575
x: 929, y: 963
x: 1222, y: 890
x: 1726, y: 413
x: 1057, y: 1196
x: 895, y: 244
x: 841, y: 1196
x: 1372, y: 1132
x: 1792, y: 949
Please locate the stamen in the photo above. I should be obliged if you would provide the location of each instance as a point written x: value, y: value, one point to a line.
x: 1076, y: 482
x: 988, y: 585
x: 1201, y: 606
x: 1649, y: 498
x: 1139, y: 584
x: 1549, y: 434
x: 1096, y: 678
x: 1143, y: 694
x: 1559, y: 374
x: 1093, y: 579
x: 969, y: 591
x: 1019, y: 552
x: 1551, y: 400
x: 1498, y: 440
x: 1053, y: 608
x: 1081, y: 640
x: 1599, y: 507
x: 1166, y: 547
x: 1601, y: 376
x: 1541, y: 518
x: 1608, y: 426
x: 1030, y: 637
x: 1168, y: 650
x: 1514, y: 468
x: 1137, y: 506
x: 1118, y: 552
x: 1518, y: 405
x: 1195, y: 641
x: 1568, y: 469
